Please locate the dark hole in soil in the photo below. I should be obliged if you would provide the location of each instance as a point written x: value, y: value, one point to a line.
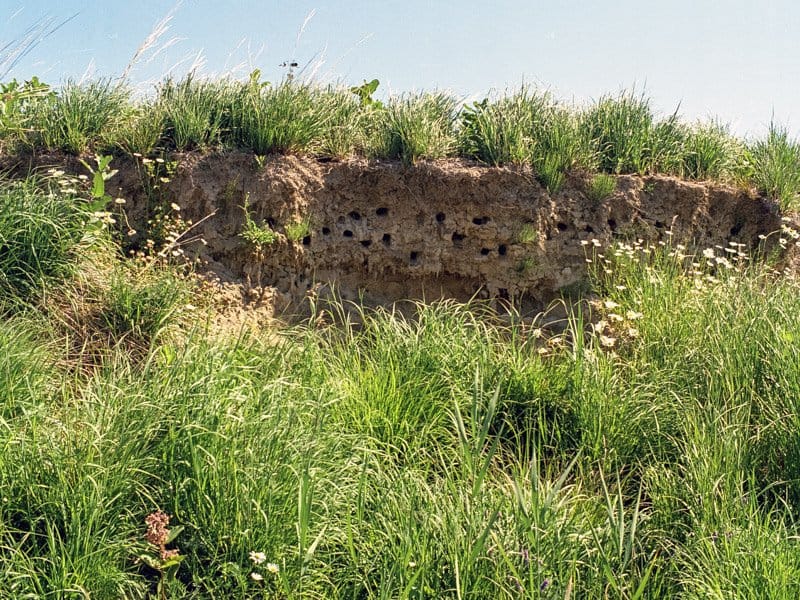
x: 589, y: 229
x: 561, y: 226
x: 501, y: 249
x: 414, y: 256
x: 502, y: 293
x: 458, y: 237
x: 307, y: 240
x: 613, y: 224
x: 354, y: 215
x: 659, y: 225
x: 326, y: 230
x: 386, y: 239
x: 347, y: 233
x: 382, y: 211
x: 366, y: 243
x: 480, y: 220
x: 271, y: 222
x: 440, y: 217
x: 485, y: 251
x: 736, y: 228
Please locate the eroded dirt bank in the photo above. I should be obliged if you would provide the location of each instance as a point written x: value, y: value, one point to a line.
x: 450, y: 229
x: 446, y: 229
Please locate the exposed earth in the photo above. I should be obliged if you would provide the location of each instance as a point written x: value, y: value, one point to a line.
x: 381, y: 231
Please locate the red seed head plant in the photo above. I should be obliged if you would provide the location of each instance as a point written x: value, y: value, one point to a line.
x: 159, y: 535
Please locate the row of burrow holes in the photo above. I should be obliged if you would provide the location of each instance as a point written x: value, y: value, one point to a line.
x: 414, y: 256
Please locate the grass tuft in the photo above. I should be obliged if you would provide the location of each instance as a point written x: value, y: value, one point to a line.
x: 601, y: 187
x: 289, y: 117
x: 41, y: 235
x: 414, y: 127
x: 194, y: 111
x: 141, y: 302
x: 775, y: 167
x: 77, y: 117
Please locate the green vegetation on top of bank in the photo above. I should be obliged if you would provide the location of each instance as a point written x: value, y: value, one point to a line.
x: 616, y: 134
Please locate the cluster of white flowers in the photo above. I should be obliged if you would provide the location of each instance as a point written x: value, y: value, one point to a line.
x: 259, y: 558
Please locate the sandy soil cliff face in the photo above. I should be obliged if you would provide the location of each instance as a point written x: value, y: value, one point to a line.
x: 383, y: 231
x: 437, y: 230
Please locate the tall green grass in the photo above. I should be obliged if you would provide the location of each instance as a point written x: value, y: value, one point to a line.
x: 616, y: 134
x: 775, y: 166
x: 527, y: 127
x: 195, y: 111
x: 287, y: 117
x: 711, y: 152
x: 344, y: 133
x: 141, y: 302
x: 437, y: 451
x: 501, y: 132
x: 76, y: 118
x: 414, y: 127
x: 626, y: 137
x: 41, y: 236
x: 138, y: 130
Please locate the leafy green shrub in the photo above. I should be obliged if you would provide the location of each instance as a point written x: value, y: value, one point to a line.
x: 257, y: 235
x: 17, y: 104
x: 365, y: 91
x: 40, y: 237
x: 75, y: 118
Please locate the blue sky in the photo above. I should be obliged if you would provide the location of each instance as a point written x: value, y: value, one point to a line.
x: 736, y: 60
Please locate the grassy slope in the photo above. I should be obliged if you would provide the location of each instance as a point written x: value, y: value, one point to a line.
x: 654, y: 454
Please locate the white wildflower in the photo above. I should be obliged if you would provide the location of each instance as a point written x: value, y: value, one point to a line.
x: 258, y: 557
x: 607, y: 341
